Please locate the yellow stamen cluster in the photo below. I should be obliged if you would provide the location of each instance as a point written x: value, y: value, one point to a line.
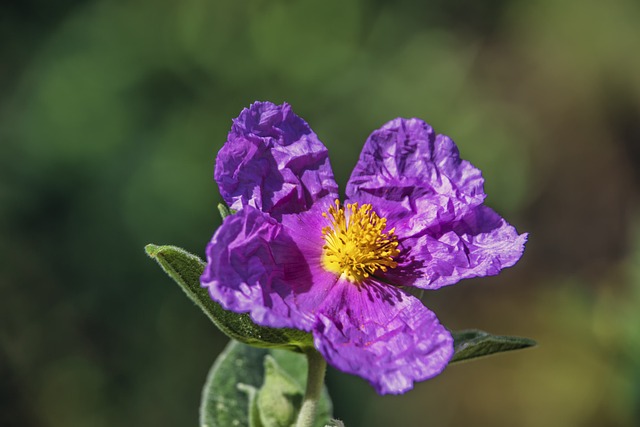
x: 356, y: 244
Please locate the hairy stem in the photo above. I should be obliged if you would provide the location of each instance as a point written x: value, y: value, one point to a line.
x: 315, y: 380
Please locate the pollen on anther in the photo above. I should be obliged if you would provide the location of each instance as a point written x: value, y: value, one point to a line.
x: 356, y: 244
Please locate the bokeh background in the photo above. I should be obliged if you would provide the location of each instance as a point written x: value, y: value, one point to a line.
x: 111, y: 114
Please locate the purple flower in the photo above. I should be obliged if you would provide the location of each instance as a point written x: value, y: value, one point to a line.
x: 293, y: 256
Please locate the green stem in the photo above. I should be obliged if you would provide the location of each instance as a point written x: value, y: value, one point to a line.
x: 317, y: 367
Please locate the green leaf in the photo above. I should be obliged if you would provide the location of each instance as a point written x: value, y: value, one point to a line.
x: 185, y: 269
x: 472, y: 343
x: 295, y: 365
x: 224, y: 210
x: 254, y: 413
x: 280, y: 397
x: 229, y: 397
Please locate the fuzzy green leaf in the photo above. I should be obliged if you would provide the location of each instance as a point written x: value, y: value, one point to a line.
x: 185, y: 269
x: 224, y: 210
x: 252, y: 395
x: 280, y: 397
x: 257, y: 387
x: 472, y: 343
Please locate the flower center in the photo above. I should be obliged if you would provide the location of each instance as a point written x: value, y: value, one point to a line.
x: 356, y: 244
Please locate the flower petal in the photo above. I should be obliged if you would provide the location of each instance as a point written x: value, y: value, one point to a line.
x: 274, y: 162
x: 382, y: 334
x: 480, y: 244
x: 419, y: 175
x: 254, y: 266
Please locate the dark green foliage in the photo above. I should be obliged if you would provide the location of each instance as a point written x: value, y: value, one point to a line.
x: 257, y: 387
x: 186, y: 269
x: 472, y: 343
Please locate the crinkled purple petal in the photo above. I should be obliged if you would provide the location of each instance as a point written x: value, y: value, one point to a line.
x: 480, y: 244
x: 382, y: 334
x: 404, y: 162
x: 254, y: 266
x: 274, y: 162
x: 305, y: 229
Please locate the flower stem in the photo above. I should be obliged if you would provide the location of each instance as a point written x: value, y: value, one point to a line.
x: 317, y: 367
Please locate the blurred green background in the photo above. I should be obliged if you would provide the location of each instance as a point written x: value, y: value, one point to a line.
x: 111, y: 114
